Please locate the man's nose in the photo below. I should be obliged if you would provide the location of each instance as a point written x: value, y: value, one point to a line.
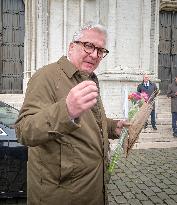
x: 94, y: 54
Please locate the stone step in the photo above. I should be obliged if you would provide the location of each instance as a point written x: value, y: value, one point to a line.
x: 163, y: 110
x: 150, y: 145
x: 163, y: 117
x: 148, y: 138
x: 163, y: 114
x: 161, y: 138
x: 161, y: 120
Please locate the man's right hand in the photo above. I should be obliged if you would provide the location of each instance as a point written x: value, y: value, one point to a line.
x: 81, y: 98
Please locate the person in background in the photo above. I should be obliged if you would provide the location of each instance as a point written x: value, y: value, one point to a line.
x: 148, y: 87
x: 63, y: 123
x: 172, y: 93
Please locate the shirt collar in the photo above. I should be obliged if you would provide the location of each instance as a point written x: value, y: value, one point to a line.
x: 146, y: 84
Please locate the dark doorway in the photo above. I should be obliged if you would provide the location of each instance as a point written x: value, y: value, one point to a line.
x: 11, y: 46
x: 167, y: 49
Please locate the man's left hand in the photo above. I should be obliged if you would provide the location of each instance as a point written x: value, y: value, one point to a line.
x: 120, y: 125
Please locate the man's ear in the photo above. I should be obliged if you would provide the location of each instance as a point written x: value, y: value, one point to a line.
x: 70, y: 48
x: 71, y: 45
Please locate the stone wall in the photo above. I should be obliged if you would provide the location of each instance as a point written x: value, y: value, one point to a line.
x: 132, y: 41
x: 133, y: 36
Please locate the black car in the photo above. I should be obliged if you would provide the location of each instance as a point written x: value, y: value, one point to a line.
x: 13, y: 156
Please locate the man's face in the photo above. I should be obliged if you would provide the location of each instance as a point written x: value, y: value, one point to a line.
x: 80, y: 58
x: 146, y: 78
x: 176, y: 78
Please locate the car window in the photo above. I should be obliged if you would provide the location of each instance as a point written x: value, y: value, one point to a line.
x: 8, y: 114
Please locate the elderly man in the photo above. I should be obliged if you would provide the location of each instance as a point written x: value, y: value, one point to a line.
x: 63, y: 122
x: 172, y: 93
x: 148, y: 87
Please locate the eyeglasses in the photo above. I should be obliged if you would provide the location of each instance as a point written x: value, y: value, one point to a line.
x: 90, y: 48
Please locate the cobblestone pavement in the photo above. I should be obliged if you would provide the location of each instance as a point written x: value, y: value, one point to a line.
x: 146, y: 177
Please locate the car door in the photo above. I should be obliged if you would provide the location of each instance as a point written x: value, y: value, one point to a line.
x: 13, y: 156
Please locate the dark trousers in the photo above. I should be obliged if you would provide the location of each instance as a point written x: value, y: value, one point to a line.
x: 153, y: 123
x: 174, y: 119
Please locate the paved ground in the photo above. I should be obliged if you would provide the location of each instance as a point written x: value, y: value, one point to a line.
x: 147, y: 177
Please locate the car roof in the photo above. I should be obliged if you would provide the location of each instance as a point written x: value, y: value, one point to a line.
x: 8, y: 114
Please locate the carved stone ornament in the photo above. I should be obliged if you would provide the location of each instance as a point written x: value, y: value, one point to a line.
x: 168, y: 5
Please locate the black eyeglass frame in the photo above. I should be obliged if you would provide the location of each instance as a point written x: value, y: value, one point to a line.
x: 104, y: 51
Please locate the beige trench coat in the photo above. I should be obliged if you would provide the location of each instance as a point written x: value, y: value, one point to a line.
x: 66, y: 161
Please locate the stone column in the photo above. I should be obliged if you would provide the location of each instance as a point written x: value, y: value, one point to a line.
x: 36, y: 37
x: 154, y: 38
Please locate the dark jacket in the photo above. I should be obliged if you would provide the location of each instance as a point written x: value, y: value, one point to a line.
x: 151, y: 88
x: 67, y: 161
x: 172, y: 89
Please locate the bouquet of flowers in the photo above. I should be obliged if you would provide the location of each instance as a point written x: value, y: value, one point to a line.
x: 137, y: 99
x: 138, y: 114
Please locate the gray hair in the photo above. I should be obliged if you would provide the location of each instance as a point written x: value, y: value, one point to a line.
x: 89, y: 25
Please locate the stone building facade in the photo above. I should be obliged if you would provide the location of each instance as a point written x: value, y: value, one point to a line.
x: 133, y: 37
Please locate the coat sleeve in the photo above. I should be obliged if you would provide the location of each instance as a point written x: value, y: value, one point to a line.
x: 139, y: 88
x: 42, y: 118
x: 155, y: 87
x: 111, y: 128
x: 170, y: 92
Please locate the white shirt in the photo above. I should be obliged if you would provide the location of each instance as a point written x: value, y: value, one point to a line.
x: 146, y: 84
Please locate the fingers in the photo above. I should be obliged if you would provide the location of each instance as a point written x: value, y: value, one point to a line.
x: 85, y: 84
x: 84, y: 92
x: 88, y: 90
x: 84, y: 88
x: 118, y: 131
x: 126, y: 124
x: 123, y: 123
x: 81, y: 98
x: 120, y: 125
x: 89, y: 97
x: 89, y: 104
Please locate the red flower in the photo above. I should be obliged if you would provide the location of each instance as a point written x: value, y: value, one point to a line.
x: 138, y: 98
x: 144, y: 96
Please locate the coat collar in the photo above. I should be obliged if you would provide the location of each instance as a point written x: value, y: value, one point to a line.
x: 68, y: 68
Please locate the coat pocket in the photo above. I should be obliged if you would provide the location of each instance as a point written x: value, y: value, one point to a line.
x: 72, y: 164
x: 67, y: 163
